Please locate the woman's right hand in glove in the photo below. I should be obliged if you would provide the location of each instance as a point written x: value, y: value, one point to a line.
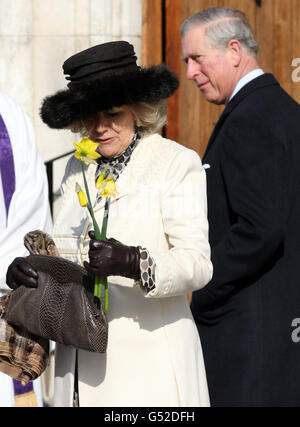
x: 21, y: 273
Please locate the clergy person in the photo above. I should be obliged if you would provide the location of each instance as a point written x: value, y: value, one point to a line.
x: 24, y: 207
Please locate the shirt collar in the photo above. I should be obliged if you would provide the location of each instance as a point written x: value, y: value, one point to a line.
x: 246, y: 79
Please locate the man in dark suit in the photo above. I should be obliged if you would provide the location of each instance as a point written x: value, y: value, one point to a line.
x: 246, y: 314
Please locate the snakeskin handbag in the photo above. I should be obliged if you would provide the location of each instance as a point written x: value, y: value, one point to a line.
x: 62, y: 308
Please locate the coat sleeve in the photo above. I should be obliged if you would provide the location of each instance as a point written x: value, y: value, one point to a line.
x: 186, y: 265
x: 29, y: 209
x: 254, y: 168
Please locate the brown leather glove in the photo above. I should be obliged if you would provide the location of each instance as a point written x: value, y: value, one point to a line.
x: 21, y: 273
x: 110, y: 257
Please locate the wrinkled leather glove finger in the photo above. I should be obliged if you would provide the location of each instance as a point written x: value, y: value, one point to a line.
x: 98, y: 245
x: 29, y: 271
x: 21, y: 273
x: 90, y: 269
x: 101, y: 253
x: 110, y: 257
x: 25, y: 279
x: 91, y: 234
x: 102, y: 269
x: 99, y: 265
x: 101, y: 257
x: 97, y: 260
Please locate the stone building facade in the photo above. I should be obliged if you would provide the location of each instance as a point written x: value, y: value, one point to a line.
x: 36, y: 36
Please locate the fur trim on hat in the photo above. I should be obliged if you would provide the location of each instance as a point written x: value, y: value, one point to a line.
x: 86, y: 99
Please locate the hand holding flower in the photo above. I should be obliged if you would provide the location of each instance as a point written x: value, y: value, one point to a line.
x: 86, y: 153
x: 110, y: 257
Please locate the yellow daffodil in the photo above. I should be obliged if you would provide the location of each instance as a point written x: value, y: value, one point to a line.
x: 107, y: 187
x: 86, y: 160
x: 86, y: 150
x: 102, y: 176
x: 81, y: 196
x: 100, y: 179
x: 86, y: 153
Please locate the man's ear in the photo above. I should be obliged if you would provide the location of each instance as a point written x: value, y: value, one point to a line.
x: 235, y: 50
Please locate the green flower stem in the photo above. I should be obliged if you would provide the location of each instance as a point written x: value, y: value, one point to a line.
x: 105, y: 218
x: 97, y: 287
x: 90, y: 207
x: 103, y: 236
x: 99, y: 281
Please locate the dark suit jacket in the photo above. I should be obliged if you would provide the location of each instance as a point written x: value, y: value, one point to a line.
x: 245, y: 314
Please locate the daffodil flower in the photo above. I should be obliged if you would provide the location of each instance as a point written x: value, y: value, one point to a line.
x: 105, y: 174
x: 86, y: 153
x: 100, y: 179
x: 87, y: 161
x: 81, y: 196
x: 107, y: 188
x: 86, y: 150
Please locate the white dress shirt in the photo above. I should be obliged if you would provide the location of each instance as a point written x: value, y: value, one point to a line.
x: 245, y: 80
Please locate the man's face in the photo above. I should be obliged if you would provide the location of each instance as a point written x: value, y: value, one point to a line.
x: 211, y: 69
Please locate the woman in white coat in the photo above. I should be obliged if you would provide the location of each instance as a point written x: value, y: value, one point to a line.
x: 157, y: 250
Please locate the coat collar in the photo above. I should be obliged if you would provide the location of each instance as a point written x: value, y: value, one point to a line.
x: 126, y: 183
x: 122, y: 185
x: 256, y: 84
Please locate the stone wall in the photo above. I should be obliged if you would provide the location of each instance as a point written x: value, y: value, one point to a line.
x: 36, y: 36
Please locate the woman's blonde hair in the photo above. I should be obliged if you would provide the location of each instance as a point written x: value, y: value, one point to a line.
x: 149, y: 117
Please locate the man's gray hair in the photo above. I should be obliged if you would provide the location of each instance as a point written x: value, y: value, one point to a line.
x: 222, y: 25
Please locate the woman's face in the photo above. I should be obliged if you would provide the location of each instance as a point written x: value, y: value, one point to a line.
x: 113, y: 130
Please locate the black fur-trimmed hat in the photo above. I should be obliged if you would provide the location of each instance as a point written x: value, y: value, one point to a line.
x: 103, y: 77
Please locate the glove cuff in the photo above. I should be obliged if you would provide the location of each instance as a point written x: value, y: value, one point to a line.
x: 134, y: 263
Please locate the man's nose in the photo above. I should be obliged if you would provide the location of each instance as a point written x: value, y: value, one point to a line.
x: 192, y: 70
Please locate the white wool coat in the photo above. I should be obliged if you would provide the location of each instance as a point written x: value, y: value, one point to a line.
x: 154, y: 355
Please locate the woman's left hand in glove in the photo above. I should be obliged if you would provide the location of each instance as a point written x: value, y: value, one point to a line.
x: 110, y: 257
x: 20, y: 273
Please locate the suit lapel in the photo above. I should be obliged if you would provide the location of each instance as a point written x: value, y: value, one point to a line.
x: 256, y: 84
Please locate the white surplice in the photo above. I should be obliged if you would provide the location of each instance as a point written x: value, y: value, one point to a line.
x: 29, y: 208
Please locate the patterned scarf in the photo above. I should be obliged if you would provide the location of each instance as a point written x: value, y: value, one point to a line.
x: 116, y: 165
